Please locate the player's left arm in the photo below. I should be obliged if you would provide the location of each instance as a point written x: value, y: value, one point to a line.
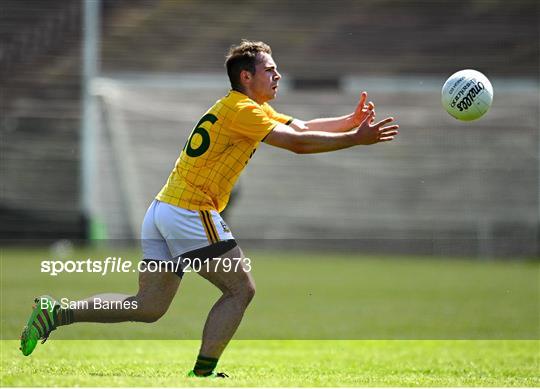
x: 337, y: 124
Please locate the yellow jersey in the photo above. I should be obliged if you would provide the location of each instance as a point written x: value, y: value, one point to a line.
x: 216, y: 152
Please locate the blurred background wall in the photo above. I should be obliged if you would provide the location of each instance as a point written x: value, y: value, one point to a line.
x: 444, y: 187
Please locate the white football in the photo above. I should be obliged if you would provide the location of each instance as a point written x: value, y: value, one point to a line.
x: 467, y: 95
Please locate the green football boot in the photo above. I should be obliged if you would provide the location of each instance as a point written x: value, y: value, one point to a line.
x: 41, y: 323
x: 211, y: 375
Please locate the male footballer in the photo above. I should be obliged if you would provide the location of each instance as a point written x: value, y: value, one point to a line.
x: 183, y: 222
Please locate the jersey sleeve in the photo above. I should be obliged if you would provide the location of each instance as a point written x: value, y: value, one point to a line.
x: 279, y: 117
x: 253, y: 122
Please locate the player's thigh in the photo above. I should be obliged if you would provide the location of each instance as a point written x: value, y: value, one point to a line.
x: 230, y: 272
x: 157, y: 289
x: 157, y: 284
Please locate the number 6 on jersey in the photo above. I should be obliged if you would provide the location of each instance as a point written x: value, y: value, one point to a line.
x: 204, y: 143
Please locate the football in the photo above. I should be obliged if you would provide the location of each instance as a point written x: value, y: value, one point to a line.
x: 467, y: 95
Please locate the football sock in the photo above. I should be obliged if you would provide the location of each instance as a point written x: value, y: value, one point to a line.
x: 205, y: 365
x: 64, y: 316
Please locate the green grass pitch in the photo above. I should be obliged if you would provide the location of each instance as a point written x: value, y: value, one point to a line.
x: 356, y: 321
x: 277, y: 363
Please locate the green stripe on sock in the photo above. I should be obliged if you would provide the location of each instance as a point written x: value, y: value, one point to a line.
x: 64, y: 317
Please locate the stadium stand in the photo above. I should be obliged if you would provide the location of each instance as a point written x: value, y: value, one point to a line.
x: 40, y: 102
x: 443, y: 187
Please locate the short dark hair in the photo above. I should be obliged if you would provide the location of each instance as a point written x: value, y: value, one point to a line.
x: 243, y: 57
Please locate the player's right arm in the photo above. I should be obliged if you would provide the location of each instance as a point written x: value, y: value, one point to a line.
x: 337, y: 124
x: 309, y: 142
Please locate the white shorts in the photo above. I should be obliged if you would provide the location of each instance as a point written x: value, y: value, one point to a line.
x: 168, y: 231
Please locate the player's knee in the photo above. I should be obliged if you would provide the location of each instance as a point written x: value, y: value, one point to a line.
x: 245, y: 292
x: 151, y: 315
x: 151, y: 318
x: 250, y: 291
x: 149, y: 311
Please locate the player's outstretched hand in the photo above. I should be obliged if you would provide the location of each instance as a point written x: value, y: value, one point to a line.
x: 362, y: 110
x: 370, y: 133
